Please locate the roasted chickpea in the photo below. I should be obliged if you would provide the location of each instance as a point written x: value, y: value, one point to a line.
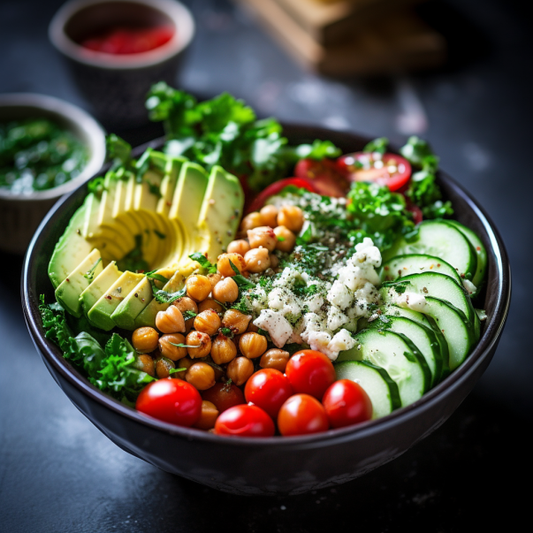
x: 145, y: 339
x: 274, y: 261
x: 223, y: 350
x: 168, y: 346
x: 269, y: 214
x: 285, y: 239
x: 262, y: 237
x: 209, y: 303
x: 250, y: 221
x: 208, y: 416
x: 239, y: 370
x: 240, y: 246
x: 170, y: 321
x: 185, y: 363
x: 224, y: 266
x: 275, y: 358
x: 207, y: 321
x: 198, y: 287
x: 185, y: 304
x: 252, y: 345
x: 226, y: 291
x: 236, y: 321
x: 292, y: 217
x: 199, y: 344
x: 201, y: 376
x: 145, y: 363
x: 214, y: 278
x: 163, y: 366
x: 257, y: 260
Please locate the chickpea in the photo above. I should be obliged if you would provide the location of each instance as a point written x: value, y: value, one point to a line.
x: 209, y: 303
x: 170, y: 321
x: 275, y: 358
x: 274, y: 261
x: 250, y: 221
x: 239, y: 370
x: 185, y: 304
x: 168, y: 348
x: 223, y: 350
x: 214, y: 279
x: 257, y: 260
x: 200, y: 341
x: 198, y: 287
x: 226, y: 291
x: 285, y: 239
x: 236, y: 321
x: 262, y: 237
x: 207, y: 321
x: 163, y: 366
x: 201, y: 376
x: 145, y: 339
x: 224, y: 266
x: 269, y: 214
x: 145, y: 363
x: 253, y: 345
x: 252, y: 327
x: 208, y: 416
x: 240, y: 246
x: 292, y: 217
x: 186, y: 363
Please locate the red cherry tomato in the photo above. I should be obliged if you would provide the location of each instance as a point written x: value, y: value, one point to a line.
x: 268, y: 388
x: 327, y: 177
x: 224, y: 396
x: 171, y: 400
x: 245, y: 421
x: 259, y: 201
x: 346, y: 403
x: 302, y: 414
x: 310, y: 372
x: 385, y: 169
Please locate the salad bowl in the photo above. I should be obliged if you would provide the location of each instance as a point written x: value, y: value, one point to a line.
x: 273, y: 465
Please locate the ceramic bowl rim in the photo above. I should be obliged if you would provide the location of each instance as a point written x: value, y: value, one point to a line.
x: 75, y: 118
x: 178, y: 12
x: 455, y: 380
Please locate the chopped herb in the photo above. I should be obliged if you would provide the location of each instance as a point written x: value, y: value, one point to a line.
x: 90, y: 273
x: 239, y: 279
x: 134, y: 260
x: 187, y: 315
x: 158, y: 277
x: 201, y: 259
x: 227, y: 332
x: 378, y: 145
x: 159, y: 234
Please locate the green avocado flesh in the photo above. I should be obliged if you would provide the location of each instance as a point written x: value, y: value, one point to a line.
x: 134, y: 224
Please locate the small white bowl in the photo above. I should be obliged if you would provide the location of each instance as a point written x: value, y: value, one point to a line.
x: 116, y: 85
x: 20, y: 214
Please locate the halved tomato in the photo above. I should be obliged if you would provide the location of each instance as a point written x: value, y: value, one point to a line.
x: 328, y: 178
x: 385, y: 169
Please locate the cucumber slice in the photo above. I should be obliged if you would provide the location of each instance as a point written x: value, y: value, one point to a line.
x: 438, y: 238
x: 403, y: 265
x: 392, y: 352
x: 381, y: 389
x: 422, y: 337
x: 481, y: 252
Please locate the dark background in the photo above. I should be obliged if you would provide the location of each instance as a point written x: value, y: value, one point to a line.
x: 59, y: 473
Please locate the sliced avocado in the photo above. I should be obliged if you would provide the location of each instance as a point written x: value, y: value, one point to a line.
x: 68, y: 292
x: 100, y: 313
x: 168, y: 185
x: 127, y: 311
x: 99, y: 285
x: 70, y: 250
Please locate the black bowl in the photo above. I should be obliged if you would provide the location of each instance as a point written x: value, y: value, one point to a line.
x: 273, y: 465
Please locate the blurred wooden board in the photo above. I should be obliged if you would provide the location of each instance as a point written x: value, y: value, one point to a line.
x: 395, y: 44
x: 332, y: 21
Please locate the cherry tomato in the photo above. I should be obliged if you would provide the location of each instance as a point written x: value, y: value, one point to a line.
x: 385, y: 169
x: 302, y: 414
x: 327, y: 177
x: 310, y: 372
x: 224, y: 396
x: 245, y: 421
x: 268, y: 388
x: 346, y: 403
x: 171, y: 400
x: 259, y: 201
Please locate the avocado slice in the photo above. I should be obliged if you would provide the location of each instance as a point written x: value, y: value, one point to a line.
x: 69, y: 290
x: 100, y: 313
x: 127, y: 311
x: 99, y: 285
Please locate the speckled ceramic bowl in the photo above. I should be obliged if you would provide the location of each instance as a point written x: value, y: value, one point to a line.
x: 276, y: 465
x: 116, y: 85
x: 20, y: 214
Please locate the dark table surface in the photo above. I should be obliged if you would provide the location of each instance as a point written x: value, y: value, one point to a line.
x: 59, y: 473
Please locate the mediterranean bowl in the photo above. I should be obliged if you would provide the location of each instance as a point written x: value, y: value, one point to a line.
x: 269, y: 466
